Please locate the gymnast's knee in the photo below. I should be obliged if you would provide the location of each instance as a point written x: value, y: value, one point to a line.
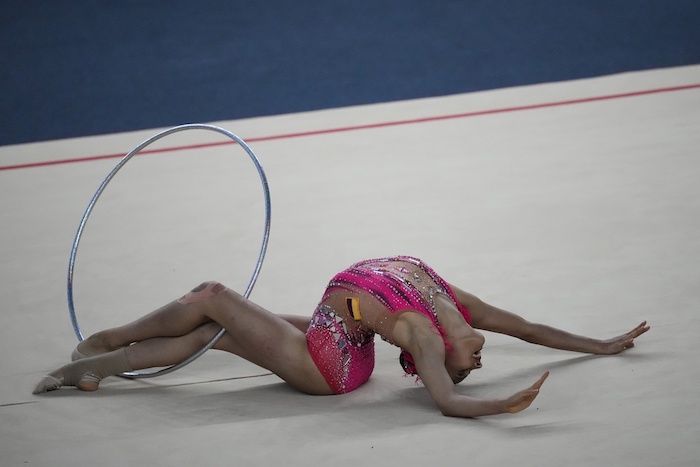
x: 202, y: 292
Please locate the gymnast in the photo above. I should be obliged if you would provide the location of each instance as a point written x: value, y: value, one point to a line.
x: 400, y: 298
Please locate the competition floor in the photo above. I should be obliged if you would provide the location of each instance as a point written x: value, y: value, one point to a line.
x: 576, y: 204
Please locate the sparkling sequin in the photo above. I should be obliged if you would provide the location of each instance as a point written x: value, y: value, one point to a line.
x: 359, y: 346
x: 399, y: 283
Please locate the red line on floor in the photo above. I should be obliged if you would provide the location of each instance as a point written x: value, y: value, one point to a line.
x: 364, y: 127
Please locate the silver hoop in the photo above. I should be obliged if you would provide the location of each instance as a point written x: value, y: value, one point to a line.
x: 83, y: 222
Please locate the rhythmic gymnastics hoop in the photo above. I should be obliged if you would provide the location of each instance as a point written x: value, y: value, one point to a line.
x: 103, y: 185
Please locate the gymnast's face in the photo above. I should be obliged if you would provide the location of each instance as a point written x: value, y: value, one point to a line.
x: 465, y: 355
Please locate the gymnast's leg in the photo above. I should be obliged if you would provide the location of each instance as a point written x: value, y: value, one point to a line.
x: 174, y: 319
x: 299, y: 322
x: 174, y: 332
x: 171, y: 320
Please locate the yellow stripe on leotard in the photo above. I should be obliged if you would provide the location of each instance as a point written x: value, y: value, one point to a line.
x: 354, y: 307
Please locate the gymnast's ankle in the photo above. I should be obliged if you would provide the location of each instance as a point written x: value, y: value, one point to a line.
x: 96, y: 344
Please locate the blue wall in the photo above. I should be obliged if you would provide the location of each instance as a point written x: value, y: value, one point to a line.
x: 90, y: 67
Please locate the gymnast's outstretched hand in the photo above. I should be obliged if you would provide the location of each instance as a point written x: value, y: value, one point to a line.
x: 521, y: 400
x: 622, y: 342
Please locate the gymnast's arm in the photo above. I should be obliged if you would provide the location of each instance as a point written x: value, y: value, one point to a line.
x: 414, y: 333
x: 490, y: 318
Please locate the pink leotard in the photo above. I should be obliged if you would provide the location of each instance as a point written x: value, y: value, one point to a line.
x: 345, y: 354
